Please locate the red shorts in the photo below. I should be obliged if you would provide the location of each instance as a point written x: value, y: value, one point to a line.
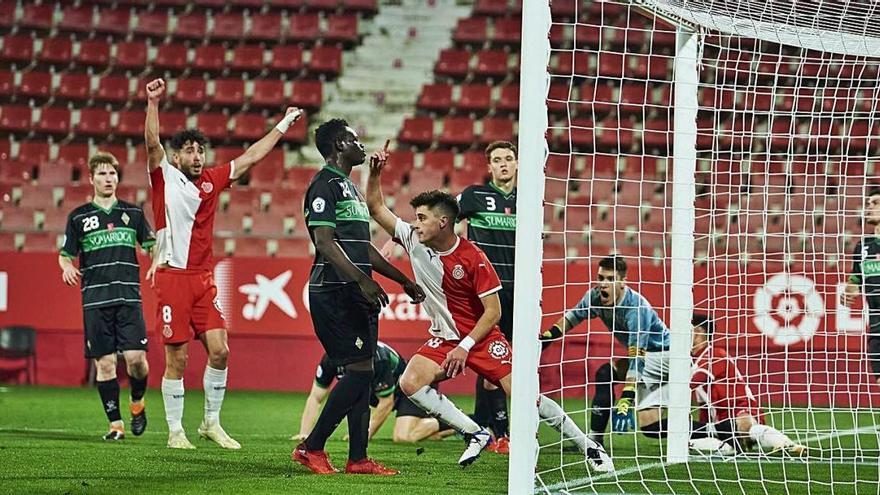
x: 491, y: 357
x: 188, y: 303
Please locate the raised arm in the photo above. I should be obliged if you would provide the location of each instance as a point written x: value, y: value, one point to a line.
x: 261, y: 148
x: 155, y: 152
x: 375, y: 199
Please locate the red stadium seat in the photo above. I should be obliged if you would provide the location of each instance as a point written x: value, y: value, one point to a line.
x: 496, y: 129
x: 55, y: 220
x: 435, y: 165
x: 366, y: 7
x: 249, y: 247
x: 210, y: 58
x: 225, y: 154
x: 418, y: 131
x: 79, y: 19
x: 152, y: 24
x: 171, y: 122
x: 54, y: 120
x: 633, y: 98
x: 268, y: 93
x: 491, y: 64
x: 588, y: 36
x: 293, y: 248
x: 265, y: 27
x: 131, y: 123
x: 307, y: 94
x: 33, y: 152
x: 228, y: 26
x: 508, y: 100
x: 76, y: 154
x: 7, y: 83
x: 57, y: 50
x: 17, y: 48
x: 294, y: 5
x: 114, y: 21
x: 304, y: 27
x: 471, y: 31
x: 614, y: 134
x: 55, y: 174
x: 326, y: 60
x: 568, y: 63
x: 595, y: 100
x: 131, y: 55
x: 558, y: 97
x: 248, y: 58
x: 493, y: 8
x: 37, y: 16
x: 210, y: 4
x: 7, y: 15
x: 321, y: 5
x: 18, y: 219
x: 120, y: 152
x: 287, y: 59
x: 190, y: 91
x: 192, y: 26
x: 214, y: 125
x: 94, y: 53
x: 15, y: 118
x: 435, y: 97
x: 474, y: 98
x: 507, y: 31
x: 400, y: 162
x: 113, y: 89
x: 579, y: 135
x: 657, y: 134
x: 453, y: 63
x: 298, y: 132
x: 16, y: 171
x: 342, y: 28
x: 649, y: 67
x: 249, y: 126
x: 173, y: 56
x: 94, y: 122
x: 36, y: 85
x: 611, y: 65
x: 269, y: 172
x: 41, y: 242
x: 228, y: 92
x: 457, y: 131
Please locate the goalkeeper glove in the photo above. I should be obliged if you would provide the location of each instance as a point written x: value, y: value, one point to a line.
x: 624, y: 416
x: 549, y: 335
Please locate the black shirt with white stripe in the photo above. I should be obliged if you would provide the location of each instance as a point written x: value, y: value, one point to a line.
x: 105, y: 240
x: 491, y: 216
x: 332, y: 200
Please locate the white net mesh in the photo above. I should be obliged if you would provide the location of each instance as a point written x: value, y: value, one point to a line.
x: 787, y: 140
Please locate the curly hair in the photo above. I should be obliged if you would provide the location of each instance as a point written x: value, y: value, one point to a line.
x: 327, y: 134
x: 179, y: 139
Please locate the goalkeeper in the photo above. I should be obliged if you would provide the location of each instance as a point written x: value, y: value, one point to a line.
x: 635, y: 324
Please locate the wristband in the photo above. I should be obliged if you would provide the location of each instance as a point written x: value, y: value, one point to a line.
x: 288, y: 119
x: 466, y: 343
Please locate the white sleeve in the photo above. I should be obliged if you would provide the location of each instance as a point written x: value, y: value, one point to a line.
x: 403, y: 232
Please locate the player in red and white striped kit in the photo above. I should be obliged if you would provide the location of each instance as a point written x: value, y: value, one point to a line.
x: 728, y: 407
x: 185, y: 193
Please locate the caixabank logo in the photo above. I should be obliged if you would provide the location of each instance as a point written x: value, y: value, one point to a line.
x: 788, y: 309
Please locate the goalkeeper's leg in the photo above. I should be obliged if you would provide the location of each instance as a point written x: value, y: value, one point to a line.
x: 874, y: 355
x: 600, y: 412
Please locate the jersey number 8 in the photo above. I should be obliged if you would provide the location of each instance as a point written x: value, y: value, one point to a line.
x: 166, y: 314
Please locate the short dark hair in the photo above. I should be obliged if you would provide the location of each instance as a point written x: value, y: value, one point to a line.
x: 180, y: 138
x: 703, y: 320
x: 494, y: 145
x: 874, y: 191
x: 327, y: 134
x: 616, y: 263
x: 433, y: 199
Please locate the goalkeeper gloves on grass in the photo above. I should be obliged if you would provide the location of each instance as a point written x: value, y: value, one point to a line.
x: 549, y: 335
x: 625, y: 415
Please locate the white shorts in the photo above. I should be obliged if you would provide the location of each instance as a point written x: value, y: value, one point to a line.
x: 652, y: 390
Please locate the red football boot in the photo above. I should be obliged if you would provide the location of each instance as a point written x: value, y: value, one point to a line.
x: 368, y: 466
x: 501, y: 445
x: 316, y: 460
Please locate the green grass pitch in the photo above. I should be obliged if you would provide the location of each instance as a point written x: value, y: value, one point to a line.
x: 50, y: 443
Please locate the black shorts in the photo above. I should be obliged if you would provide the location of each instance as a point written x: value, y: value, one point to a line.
x: 406, y: 407
x: 506, y: 322
x: 114, y: 328
x: 346, y: 324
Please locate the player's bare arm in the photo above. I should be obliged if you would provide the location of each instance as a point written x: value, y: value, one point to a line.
x: 455, y: 359
x: 69, y: 273
x: 375, y: 199
x: 329, y: 248
x: 386, y: 269
x: 261, y: 148
x: 380, y: 413
x: 310, y: 413
x: 155, y: 152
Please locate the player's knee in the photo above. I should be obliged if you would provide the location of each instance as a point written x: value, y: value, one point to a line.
x: 744, y: 423
x: 409, y: 384
x: 106, y: 367
x: 219, y: 356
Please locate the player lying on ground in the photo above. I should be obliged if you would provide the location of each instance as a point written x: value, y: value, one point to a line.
x: 462, y: 302
x: 729, y: 411
x: 412, y: 423
x: 104, y: 235
x: 185, y: 193
x: 635, y: 324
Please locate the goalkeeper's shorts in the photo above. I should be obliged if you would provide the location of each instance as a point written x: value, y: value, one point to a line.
x: 653, y: 386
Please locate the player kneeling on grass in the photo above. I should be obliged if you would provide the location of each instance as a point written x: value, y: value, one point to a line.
x: 412, y: 423
x: 461, y: 299
x: 730, y: 413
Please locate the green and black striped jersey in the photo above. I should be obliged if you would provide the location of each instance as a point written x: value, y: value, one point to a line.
x: 491, y: 216
x: 332, y: 200
x: 105, y: 241
x: 866, y: 269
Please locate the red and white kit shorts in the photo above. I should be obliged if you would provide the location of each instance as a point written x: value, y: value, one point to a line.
x: 188, y: 303
x: 491, y: 357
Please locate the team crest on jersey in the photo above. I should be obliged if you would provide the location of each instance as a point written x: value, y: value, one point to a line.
x: 207, y: 187
x: 458, y: 272
x: 358, y: 343
x: 166, y: 331
x: 125, y: 218
x: 499, y: 350
x: 318, y: 205
x: 110, y: 226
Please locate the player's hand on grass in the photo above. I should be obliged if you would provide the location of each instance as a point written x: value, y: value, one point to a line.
x: 850, y: 293
x: 414, y: 291
x: 373, y: 292
x: 155, y: 88
x: 624, y: 418
x: 454, y: 362
x: 70, y: 275
x: 379, y: 159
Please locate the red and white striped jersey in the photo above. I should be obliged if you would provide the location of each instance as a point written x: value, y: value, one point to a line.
x: 184, y: 214
x: 719, y: 387
x: 453, y: 281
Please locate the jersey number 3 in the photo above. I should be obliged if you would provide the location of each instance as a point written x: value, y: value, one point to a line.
x: 490, y: 203
x: 90, y: 223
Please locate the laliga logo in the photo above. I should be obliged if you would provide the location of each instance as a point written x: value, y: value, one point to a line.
x: 788, y: 309
x: 265, y: 291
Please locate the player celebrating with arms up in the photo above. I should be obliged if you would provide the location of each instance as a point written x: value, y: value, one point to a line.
x: 185, y: 196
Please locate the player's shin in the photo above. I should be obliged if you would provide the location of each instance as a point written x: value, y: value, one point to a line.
x: 555, y: 417
x: 172, y: 397
x: 359, y: 427
x: 769, y: 438
x: 498, y: 405
x: 214, y: 382
x: 339, y: 403
x: 600, y: 412
x: 109, y: 392
x: 437, y: 405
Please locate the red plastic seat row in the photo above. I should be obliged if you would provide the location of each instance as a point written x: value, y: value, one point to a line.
x: 475, y: 31
x: 472, y: 98
x: 456, y: 64
x: 456, y: 131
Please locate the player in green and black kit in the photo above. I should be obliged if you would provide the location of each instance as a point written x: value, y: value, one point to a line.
x: 104, y: 234
x: 490, y: 210
x: 865, y: 279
